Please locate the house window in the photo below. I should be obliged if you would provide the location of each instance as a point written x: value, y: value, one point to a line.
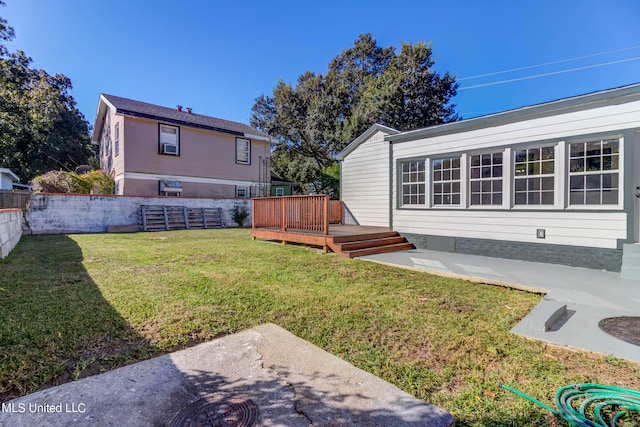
x: 446, y: 181
x: 413, y: 183
x: 169, y: 140
x: 594, y: 172
x: 116, y: 139
x: 170, y: 188
x: 242, y: 192
x: 243, y: 151
x: 534, y: 176
x: 485, y: 176
x: 279, y: 191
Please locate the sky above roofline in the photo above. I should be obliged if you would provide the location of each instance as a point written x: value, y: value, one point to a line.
x: 218, y: 57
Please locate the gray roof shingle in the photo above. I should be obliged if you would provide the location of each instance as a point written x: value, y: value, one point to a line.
x: 172, y: 115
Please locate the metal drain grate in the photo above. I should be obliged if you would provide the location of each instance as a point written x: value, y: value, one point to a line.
x: 236, y: 411
x: 624, y: 328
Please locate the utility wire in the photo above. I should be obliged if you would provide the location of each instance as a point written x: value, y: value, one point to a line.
x: 548, y: 74
x: 547, y: 63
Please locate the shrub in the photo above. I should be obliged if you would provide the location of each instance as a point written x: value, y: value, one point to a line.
x: 239, y: 214
x: 52, y: 182
x: 93, y: 182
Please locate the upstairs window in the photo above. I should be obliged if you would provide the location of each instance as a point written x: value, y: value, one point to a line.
x: 446, y: 182
x: 594, y: 172
x: 169, y: 140
x: 413, y: 183
x: 485, y: 176
x: 534, y: 176
x: 243, y: 151
x: 116, y: 139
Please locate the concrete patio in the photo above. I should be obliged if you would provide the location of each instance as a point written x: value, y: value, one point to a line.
x: 262, y: 376
x: 575, y: 299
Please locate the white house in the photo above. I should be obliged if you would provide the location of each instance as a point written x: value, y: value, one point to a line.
x: 7, y: 178
x: 556, y: 182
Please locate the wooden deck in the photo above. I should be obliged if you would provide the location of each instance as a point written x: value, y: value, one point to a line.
x: 347, y: 240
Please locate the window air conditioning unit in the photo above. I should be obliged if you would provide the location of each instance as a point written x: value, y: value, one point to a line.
x: 169, y: 149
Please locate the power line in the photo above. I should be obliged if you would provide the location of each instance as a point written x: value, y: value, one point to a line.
x: 548, y: 74
x: 548, y: 63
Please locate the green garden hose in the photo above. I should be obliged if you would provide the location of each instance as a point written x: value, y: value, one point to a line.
x: 593, y: 405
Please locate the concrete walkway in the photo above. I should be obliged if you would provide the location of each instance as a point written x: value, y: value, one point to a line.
x: 589, y: 295
x: 265, y: 374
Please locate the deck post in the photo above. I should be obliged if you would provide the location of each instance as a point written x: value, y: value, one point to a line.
x: 253, y: 214
x: 284, y: 215
x: 326, y: 214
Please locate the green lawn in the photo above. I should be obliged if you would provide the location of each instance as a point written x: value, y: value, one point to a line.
x: 72, y: 306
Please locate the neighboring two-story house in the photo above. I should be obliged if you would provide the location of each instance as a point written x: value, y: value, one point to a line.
x: 154, y: 150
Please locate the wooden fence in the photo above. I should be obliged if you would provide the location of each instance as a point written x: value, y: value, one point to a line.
x: 14, y: 199
x: 306, y: 213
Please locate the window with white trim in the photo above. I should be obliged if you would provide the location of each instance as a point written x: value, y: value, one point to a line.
x: 243, y: 151
x: 169, y: 140
x: 485, y: 177
x: 413, y: 183
x: 594, y: 172
x: 534, y: 176
x: 279, y: 191
x: 446, y: 181
x: 242, y: 192
x: 116, y: 139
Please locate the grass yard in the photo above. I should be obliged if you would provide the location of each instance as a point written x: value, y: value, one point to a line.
x: 73, y: 306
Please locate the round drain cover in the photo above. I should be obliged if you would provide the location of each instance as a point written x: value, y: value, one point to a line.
x: 624, y: 328
x: 237, y: 411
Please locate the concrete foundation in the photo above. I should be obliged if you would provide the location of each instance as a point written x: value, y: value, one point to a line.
x: 573, y: 256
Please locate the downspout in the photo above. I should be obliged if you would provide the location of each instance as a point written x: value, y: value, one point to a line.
x: 390, y: 185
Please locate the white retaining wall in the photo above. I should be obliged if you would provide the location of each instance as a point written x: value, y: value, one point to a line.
x: 10, y: 230
x: 64, y: 213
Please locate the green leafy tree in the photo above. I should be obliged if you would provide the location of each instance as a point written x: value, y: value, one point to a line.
x: 40, y: 127
x: 364, y: 84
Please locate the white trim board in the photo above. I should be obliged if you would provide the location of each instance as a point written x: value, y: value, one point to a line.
x: 181, y: 178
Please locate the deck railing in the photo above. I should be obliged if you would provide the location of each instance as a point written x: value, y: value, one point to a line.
x: 307, y: 213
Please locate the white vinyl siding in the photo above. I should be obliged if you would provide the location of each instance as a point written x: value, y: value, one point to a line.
x: 565, y: 224
x: 600, y: 229
x: 365, y: 181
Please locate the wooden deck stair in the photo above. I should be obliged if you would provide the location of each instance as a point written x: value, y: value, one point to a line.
x: 369, y: 244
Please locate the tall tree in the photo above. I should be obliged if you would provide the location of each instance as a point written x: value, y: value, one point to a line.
x: 364, y: 84
x: 40, y: 127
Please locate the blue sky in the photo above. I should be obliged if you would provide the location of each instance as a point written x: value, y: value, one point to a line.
x: 217, y: 57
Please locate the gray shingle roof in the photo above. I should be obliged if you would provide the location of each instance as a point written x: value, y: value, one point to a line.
x: 171, y: 115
